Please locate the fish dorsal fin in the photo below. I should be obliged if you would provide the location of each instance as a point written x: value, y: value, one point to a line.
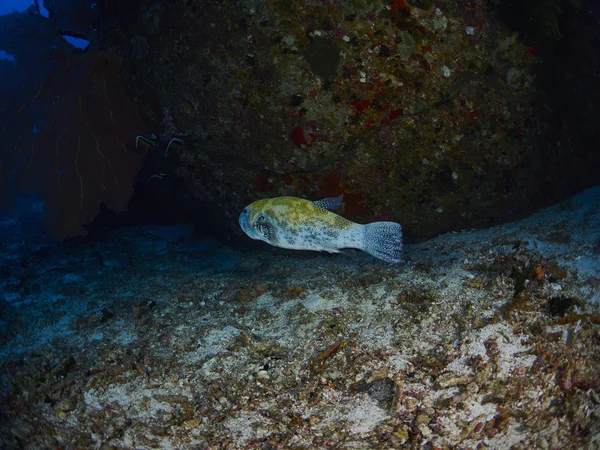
x: 330, y: 203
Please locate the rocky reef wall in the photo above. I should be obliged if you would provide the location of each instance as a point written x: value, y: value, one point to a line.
x: 429, y: 114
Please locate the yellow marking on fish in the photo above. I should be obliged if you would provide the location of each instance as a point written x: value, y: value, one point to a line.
x: 296, y: 212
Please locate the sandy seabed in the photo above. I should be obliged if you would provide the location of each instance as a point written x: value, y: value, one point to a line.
x: 153, y: 338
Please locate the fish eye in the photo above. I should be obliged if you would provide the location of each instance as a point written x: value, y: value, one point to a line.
x: 245, y: 211
x: 264, y: 229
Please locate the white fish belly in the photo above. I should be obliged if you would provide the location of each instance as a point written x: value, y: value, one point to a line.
x: 323, y: 239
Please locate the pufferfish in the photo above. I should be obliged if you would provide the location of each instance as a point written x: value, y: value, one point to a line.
x: 296, y: 223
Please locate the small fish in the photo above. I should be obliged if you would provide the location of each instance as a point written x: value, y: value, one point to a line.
x: 291, y: 222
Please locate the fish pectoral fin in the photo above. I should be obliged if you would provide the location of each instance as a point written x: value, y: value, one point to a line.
x: 330, y: 203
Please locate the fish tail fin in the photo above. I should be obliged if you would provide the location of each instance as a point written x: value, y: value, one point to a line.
x: 383, y: 240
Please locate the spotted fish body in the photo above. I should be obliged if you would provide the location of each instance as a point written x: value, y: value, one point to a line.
x: 295, y: 223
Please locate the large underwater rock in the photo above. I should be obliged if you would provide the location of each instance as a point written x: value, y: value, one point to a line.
x: 426, y: 114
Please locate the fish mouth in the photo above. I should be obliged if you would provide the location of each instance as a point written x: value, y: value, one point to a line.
x: 244, y: 224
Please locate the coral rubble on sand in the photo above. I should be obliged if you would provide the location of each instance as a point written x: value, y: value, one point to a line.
x: 151, y: 338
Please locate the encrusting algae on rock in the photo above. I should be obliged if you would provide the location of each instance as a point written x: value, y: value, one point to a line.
x: 295, y: 223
